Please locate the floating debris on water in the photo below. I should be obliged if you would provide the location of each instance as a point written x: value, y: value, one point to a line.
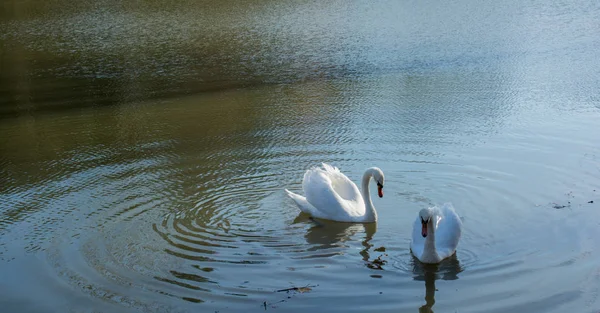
x: 558, y: 206
x: 307, y: 288
x: 304, y: 289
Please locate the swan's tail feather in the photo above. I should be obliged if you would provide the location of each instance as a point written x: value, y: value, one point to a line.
x: 301, y: 201
x: 291, y: 194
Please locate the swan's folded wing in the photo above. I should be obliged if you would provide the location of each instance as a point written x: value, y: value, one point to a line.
x: 448, y: 232
x: 342, y: 185
x: 320, y: 193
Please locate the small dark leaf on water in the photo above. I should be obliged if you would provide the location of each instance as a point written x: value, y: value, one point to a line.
x: 380, y: 249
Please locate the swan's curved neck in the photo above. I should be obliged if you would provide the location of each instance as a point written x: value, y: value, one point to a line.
x: 371, y: 214
x: 429, y: 251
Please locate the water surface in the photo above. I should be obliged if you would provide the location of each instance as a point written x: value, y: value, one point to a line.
x: 144, y: 150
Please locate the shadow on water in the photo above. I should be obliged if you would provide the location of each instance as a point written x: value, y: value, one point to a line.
x: 448, y: 269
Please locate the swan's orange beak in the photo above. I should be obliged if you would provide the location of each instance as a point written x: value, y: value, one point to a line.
x: 380, y: 191
x: 424, y: 229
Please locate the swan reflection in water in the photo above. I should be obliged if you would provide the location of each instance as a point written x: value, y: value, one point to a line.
x: 448, y: 269
x: 328, y: 235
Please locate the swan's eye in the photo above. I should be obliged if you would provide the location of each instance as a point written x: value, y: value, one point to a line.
x: 380, y: 185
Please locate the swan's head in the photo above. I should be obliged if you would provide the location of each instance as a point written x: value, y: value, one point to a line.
x: 426, y: 216
x: 377, y: 175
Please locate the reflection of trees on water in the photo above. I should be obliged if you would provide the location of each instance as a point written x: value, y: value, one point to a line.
x: 67, y: 56
x: 448, y: 269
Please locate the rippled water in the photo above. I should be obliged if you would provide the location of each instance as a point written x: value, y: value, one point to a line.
x: 144, y: 151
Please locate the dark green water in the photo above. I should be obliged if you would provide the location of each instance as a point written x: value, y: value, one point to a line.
x: 145, y: 146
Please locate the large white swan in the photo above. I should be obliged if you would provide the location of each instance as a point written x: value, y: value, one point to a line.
x: 333, y: 196
x: 436, y: 233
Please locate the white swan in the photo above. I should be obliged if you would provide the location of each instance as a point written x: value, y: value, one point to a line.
x: 436, y: 233
x: 333, y: 196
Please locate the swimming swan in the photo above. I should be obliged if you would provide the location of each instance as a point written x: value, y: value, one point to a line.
x: 436, y: 233
x: 333, y: 196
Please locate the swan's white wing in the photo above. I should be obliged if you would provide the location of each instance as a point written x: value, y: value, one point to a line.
x: 331, y: 193
x: 448, y: 231
x: 342, y: 185
x: 417, y: 243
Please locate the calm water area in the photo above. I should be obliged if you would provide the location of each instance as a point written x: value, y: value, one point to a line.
x: 145, y: 147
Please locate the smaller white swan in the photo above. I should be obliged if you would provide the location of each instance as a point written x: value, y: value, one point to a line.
x: 331, y: 195
x: 436, y: 233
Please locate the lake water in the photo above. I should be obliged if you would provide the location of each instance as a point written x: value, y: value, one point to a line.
x: 145, y: 147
